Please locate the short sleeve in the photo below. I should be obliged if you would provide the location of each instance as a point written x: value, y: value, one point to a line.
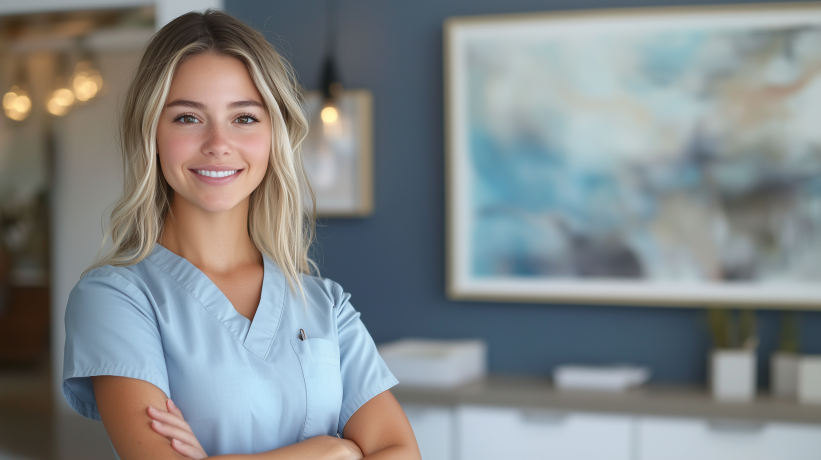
x: 364, y: 373
x: 111, y: 329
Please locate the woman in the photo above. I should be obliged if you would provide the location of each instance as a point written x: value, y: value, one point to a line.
x: 205, y: 295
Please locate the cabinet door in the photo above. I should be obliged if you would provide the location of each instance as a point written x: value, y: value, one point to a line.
x: 661, y: 438
x: 495, y: 433
x: 433, y: 427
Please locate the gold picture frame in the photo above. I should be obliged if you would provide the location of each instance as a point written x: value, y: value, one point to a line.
x: 502, y: 257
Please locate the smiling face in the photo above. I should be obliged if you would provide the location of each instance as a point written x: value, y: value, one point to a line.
x: 214, y: 134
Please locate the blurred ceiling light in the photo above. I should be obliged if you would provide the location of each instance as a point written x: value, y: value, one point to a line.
x: 62, y: 97
x: 60, y: 101
x: 17, y: 103
x: 329, y: 115
x: 86, y: 81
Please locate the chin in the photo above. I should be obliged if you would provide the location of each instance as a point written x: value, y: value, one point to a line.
x: 218, y: 205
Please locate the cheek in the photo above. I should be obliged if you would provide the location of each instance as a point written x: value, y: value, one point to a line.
x: 258, y: 150
x: 174, y: 151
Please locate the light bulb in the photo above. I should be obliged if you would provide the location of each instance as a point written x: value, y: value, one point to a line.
x: 16, y: 104
x: 329, y: 115
x: 60, y: 101
x: 86, y: 81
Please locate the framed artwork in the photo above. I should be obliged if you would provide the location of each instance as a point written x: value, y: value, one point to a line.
x: 629, y: 157
x: 338, y: 154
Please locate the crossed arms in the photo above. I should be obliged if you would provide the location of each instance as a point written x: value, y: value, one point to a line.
x: 379, y: 430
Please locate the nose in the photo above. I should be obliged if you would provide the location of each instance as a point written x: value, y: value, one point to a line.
x: 216, y: 142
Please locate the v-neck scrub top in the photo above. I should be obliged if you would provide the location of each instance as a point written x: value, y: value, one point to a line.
x: 243, y: 386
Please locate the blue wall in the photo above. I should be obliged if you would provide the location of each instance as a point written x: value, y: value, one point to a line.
x: 394, y: 262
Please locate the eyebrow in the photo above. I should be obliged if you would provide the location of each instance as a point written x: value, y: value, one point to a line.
x: 240, y: 104
x: 201, y: 106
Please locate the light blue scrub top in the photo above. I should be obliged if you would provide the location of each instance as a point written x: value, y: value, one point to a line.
x: 244, y: 387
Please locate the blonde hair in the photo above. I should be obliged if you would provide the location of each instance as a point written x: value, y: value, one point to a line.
x: 279, y: 223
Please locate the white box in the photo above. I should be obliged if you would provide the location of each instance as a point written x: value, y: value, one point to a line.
x: 732, y: 375
x: 604, y: 378
x: 809, y: 380
x: 784, y: 375
x: 435, y: 363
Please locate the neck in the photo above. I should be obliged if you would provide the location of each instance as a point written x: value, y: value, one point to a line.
x: 212, y: 241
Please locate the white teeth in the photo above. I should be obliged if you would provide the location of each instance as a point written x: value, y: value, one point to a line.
x: 217, y: 174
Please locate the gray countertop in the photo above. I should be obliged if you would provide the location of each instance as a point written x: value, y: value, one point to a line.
x: 674, y: 401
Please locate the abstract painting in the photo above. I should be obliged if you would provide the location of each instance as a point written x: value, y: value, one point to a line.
x: 661, y: 157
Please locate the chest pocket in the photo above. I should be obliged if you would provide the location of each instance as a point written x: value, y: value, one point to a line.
x: 319, y: 359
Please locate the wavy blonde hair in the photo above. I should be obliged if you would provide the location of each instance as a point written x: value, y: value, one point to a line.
x: 280, y: 225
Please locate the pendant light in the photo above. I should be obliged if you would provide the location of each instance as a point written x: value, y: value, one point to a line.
x: 62, y: 97
x: 16, y: 101
x: 86, y: 80
x: 331, y: 87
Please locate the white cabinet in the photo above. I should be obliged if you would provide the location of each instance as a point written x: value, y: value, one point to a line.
x: 495, y: 433
x: 434, y: 430
x: 661, y: 438
x: 478, y: 432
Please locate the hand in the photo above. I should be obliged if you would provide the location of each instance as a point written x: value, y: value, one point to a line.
x: 354, y: 452
x: 173, y: 426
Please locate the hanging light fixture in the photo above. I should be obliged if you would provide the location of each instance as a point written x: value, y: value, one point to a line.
x: 16, y: 101
x: 62, y: 97
x: 331, y: 87
x: 86, y: 80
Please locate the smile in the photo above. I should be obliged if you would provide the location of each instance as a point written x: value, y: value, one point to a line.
x: 218, y: 174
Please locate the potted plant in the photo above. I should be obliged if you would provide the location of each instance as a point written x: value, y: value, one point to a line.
x: 784, y: 361
x: 732, y: 368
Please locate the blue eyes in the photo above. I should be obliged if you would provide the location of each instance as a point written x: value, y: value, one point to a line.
x: 188, y: 119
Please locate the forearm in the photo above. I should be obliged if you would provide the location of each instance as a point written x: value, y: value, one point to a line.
x: 298, y: 453
x: 395, y: 453
x: 325, y: 449
x: 318, y: 448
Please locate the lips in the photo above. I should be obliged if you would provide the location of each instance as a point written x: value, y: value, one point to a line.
x: 216, y: 175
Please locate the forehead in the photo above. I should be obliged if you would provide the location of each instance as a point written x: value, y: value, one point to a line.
x: 210, y: 77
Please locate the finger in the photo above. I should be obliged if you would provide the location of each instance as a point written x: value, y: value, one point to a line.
x: 173, y: 408
x: 168, y: 419
x: 187, y: 449
x: 170, y: 431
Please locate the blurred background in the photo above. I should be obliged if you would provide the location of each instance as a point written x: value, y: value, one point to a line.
x: 65, y: 64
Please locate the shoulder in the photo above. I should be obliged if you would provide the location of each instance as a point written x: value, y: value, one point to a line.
x: 124, y: 278
x: 322, y: 288
x: 107, y: 277
x: 108, y: 287
x: 325, y: 293
x: 330, y: 299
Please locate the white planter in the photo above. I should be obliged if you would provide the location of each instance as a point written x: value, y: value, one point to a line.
x: 809, y: 380
x: 784, y: 375
x: 732, y: 375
